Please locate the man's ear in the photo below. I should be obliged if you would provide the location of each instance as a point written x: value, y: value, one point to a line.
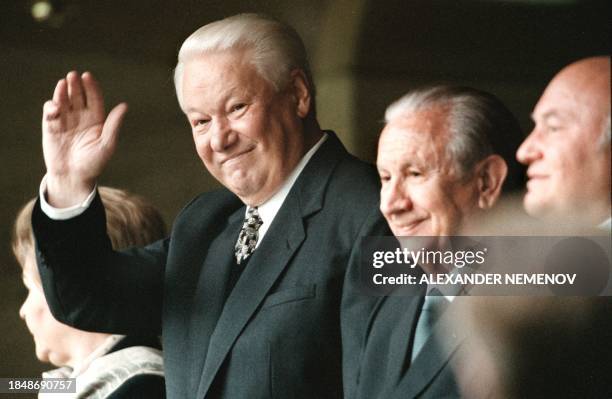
x: 300, y: 92
x: 491, y: 174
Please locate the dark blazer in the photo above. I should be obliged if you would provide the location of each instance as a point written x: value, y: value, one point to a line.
x: 276, y: 334
x: 141, y: 386
x: 384, y: 367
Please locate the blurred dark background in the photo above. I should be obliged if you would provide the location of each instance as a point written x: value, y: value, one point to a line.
x: 364, y: 54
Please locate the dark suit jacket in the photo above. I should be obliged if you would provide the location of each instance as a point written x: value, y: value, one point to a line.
x: 276, y: 334
x: 384, y: 367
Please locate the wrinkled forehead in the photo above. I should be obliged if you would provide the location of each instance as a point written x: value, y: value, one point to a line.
x: 573, y: 94
x: 217, y: 64
x: 218, y: 76
x: 557, y: 104
x: 421, y: 136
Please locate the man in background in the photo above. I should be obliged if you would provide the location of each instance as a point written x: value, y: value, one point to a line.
x: 568, y: 151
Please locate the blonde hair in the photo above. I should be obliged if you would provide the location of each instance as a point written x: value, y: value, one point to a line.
x: 130, y: 221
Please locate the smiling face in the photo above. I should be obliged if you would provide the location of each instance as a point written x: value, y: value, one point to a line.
x: 422, y: 194
x: 569, y: 169
x: 248, y: 135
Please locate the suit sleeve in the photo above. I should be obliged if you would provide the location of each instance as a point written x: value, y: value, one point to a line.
x: 141, y: 386
x: 91, y: 287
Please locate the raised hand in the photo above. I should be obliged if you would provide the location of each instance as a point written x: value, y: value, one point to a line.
x: 78, y: 138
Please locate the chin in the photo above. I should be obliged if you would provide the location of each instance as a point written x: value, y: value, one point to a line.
x: 533, y: 207
x: 57, y: 360
x: 43, y: 356
x: 241, y: 189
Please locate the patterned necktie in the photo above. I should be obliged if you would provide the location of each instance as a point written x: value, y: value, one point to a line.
x: 248, y: 235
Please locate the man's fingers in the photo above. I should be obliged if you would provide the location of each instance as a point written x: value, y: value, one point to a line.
x: 75, y: 90
x: 50, y: 110
x: 93, y: 94
x: 60, y: 95
x: 110, y: 130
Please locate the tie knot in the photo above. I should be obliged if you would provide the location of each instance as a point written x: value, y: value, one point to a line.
x: 252, y: 218
x: 248, y: 237
x: 435, y: 303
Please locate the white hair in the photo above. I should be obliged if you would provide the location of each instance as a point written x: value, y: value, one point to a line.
x: 479, y: 125
x: 272, y: 47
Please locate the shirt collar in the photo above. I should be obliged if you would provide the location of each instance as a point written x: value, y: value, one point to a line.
x: 451, y: 291
x: 269, y: 209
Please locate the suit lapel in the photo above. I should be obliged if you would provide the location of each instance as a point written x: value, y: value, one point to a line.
x: 209, y: 298
x: 432, y: 358
x: 445, y: 339
x: 282, y: 240
x: 266, y: 264
x: 401, y: 339
x: 388, y: 342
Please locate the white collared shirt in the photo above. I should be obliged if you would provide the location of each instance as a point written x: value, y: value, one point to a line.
x: 269, y: 209
x: 448, y: 292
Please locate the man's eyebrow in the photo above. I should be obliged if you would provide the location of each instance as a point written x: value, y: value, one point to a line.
x: 551, y: 114
x: 546, y: 115
x: 228, y: 93
x: 408, y: 164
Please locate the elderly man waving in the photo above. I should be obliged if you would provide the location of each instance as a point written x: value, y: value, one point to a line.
x: 246, y: 291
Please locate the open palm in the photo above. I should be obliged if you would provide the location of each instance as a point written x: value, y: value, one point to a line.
x: 78, y: 138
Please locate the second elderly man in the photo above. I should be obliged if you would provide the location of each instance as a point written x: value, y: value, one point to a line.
x: 443, y: 158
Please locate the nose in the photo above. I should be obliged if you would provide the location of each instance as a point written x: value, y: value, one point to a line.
x: 223, y: 137
x: 394, y: 199
x: 529, y: 150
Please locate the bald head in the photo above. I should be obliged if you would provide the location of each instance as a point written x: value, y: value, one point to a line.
x: 589, y: 80
x: 568, y: 151
x: 589, y: 73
